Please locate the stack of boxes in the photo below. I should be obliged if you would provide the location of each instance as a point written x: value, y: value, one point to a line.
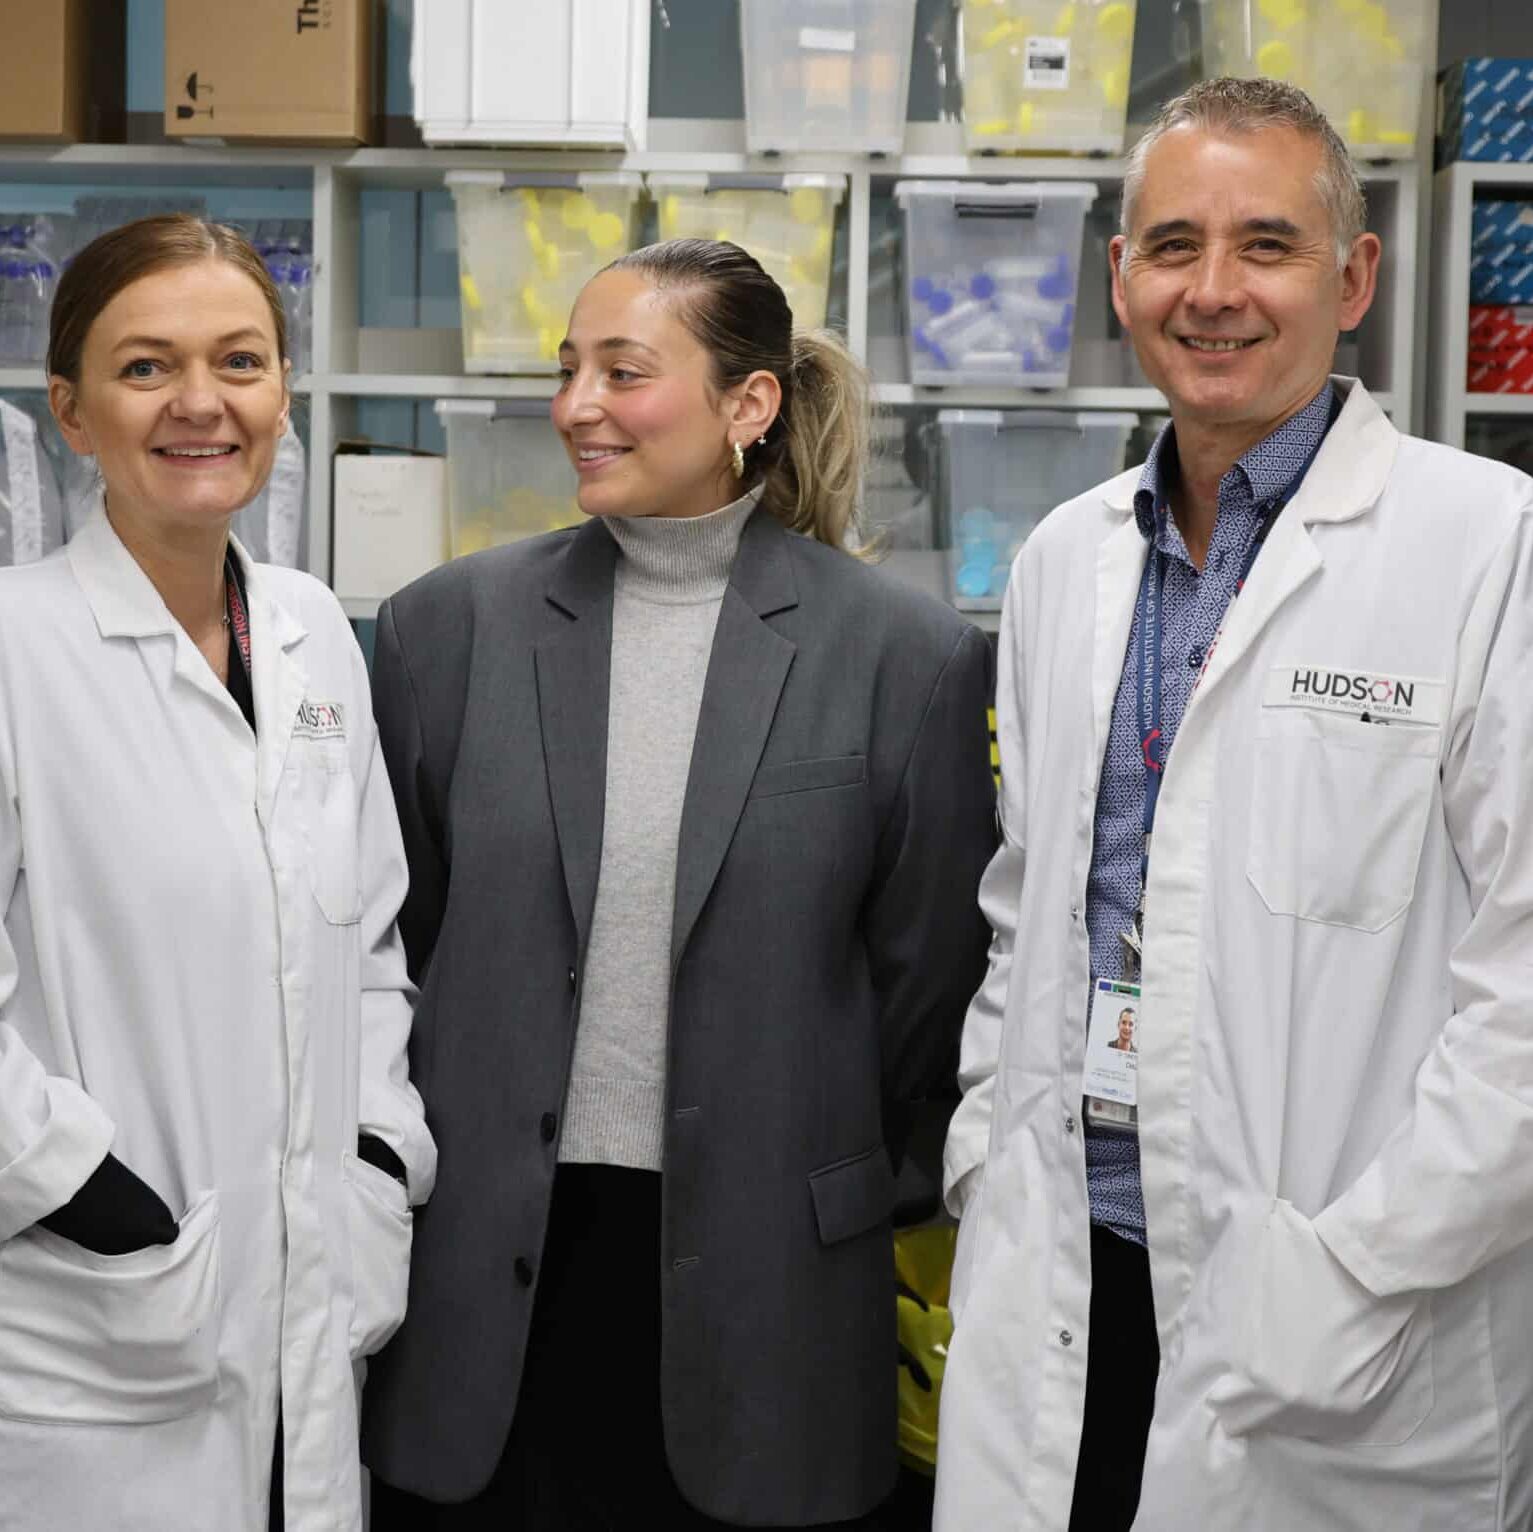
x: 1501, y: 298
x: 1485, y: 111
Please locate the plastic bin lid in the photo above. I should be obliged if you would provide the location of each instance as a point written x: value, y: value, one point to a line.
x: 700, y: 181
x: 492, y: 409
x: 570, y: 180
x: 1037, y: 420
x: 997, y: 191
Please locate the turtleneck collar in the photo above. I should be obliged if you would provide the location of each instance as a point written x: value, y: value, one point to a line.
x: 679, y: 560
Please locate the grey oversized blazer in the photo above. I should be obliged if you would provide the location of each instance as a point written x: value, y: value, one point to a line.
x: 838, y: 814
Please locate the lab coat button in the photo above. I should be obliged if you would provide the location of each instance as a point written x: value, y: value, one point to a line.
x: 523, y: 1269
x: 1069, y: 1123
x: 1065, y: 1338
x: 1075, y: 912
x: 548, y: 1127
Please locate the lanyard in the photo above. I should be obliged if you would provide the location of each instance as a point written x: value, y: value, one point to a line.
x: 1150, y: 612
x: 239, y: 618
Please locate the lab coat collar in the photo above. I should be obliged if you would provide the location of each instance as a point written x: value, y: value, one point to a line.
x: 125, y: 603
x: 1348, y: 475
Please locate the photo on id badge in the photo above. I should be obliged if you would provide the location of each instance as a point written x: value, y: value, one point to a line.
x: 1111, y: 1080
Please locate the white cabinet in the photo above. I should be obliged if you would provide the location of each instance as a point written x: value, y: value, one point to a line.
x: 516, y: 72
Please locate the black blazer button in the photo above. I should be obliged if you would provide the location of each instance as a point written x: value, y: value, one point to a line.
x: 548, y: 1127
x: 523, y: 1271
x: 572, y: 978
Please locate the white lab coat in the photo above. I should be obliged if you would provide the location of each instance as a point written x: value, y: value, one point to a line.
x: 1336, y: 1040
x: 198, y: 970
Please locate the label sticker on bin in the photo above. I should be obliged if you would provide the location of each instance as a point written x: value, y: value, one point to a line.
x: 827, y: 39
x: 1046, y: 63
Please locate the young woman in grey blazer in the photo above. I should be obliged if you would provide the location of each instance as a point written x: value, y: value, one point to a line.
x: 696, y: 804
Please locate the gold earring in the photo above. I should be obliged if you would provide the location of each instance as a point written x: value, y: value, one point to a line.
x: 739, y: 463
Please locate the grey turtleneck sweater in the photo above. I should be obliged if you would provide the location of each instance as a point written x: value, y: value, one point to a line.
x: 670, y: 584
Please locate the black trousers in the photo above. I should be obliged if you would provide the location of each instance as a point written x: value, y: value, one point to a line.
x: 1121, y: 1366
x: 586, y: 1451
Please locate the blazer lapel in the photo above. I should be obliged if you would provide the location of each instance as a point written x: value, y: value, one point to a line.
x: 746, y: 672
x: 573, y: 666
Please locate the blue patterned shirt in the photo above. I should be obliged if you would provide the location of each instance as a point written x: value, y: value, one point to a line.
x: 1194, y: 606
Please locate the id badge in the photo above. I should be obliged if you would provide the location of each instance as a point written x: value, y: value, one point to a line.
x: 1111, y: 1079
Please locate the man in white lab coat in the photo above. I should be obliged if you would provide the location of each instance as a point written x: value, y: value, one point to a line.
x: 1266, y: 726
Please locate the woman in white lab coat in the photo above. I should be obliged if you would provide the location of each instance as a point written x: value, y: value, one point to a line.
x: 208, y: 1142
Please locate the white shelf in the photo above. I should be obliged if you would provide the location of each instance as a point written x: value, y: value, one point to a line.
x: 1498, y: 404
x: 438, y: 386
x: 1150, y: 400
x: 13, y: 378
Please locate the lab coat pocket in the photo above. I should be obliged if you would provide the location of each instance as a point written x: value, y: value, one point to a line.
x: 88, y: 1339
x: 1338, y: 815
x: 1322, y: 1357
x: 380, y: 1227
x: 329, y: 796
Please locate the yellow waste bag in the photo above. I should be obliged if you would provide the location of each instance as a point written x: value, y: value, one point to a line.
x: 923, y: 1268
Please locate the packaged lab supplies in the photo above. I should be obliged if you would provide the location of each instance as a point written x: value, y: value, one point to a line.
x: 508, y: 476
x: 786, y: 222
x: 1359, y: 59
x: 301, y: 72
x: 390, y: 518
x: 527, y: 244
x: 1047, y: 76
x: 991, y: 271
x: 1003, y: 472
x: 826, y: 74
x: 1500, y: 350
x: 1485, y: 111
x: 272, y: 526
x: 31, y: 509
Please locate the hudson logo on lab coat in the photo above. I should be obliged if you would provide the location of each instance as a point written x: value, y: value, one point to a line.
x: 321, y: 720
x: 1355, y: 691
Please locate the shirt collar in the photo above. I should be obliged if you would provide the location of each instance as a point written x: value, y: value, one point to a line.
x: 1266, y: 468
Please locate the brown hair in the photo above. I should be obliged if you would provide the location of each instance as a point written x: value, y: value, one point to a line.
x: 118, y: 258
x: 812, y: 463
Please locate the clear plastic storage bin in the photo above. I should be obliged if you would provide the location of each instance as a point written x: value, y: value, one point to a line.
x: 1047, y: 76
x: 1003, y: 472
x: 527, y: 244
x: 991, y: 271
x: 508, y: 476
x: 826, y: 74
x: 787, y: 222
x: 1359, y: 59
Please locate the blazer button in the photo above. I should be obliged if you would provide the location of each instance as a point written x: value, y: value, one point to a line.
x: 523, y: 1270
x: 548, y: 1127
x: 572, y: 978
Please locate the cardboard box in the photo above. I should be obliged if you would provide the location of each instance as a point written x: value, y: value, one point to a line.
x: 390, y: 518
x: 281, y: 71
x: 1500, y: 350
x: 63, y: 71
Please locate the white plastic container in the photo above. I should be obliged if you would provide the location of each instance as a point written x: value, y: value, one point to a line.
x: 991, y: 272
x: 527, y: 244
x: 1047, y: 76
x: 1003, y: 472
x: 787, y: 222
x: 508, y: 476
x: 515, y: 72
x: 828, y: 75
x: 1359, y: 59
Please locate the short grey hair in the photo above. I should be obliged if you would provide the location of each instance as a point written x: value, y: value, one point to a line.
x: 1229, y: 106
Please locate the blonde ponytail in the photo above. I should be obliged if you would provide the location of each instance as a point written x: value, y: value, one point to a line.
x: 814, y: 486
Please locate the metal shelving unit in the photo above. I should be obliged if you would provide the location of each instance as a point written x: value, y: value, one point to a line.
x: 1450, y: 404
x: 336, y: 179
